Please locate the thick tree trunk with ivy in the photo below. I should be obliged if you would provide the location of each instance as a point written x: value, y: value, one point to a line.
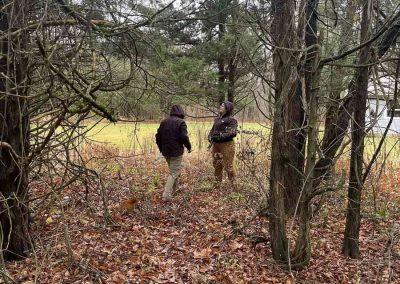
x: 14, y: 139
x: 353, y: 217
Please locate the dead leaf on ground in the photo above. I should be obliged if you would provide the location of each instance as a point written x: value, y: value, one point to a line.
x: 235, y: 245
x: 204, y: 253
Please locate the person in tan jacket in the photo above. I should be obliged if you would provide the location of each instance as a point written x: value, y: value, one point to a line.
x: 221, y: 138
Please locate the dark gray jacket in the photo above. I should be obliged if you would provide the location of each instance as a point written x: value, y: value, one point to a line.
x: 172, y: 134
x: 225, y: 127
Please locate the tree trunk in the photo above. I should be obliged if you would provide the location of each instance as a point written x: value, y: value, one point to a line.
x: 293, y: 120
x: 14, y: 125
x: 221, y: 67
x: 221, y: 80
x: 231, y: 78
x: 302, y: 252
x: 353, y: 218
x: 276, y: 208
x: 296, y: 138
x: 285, y: 73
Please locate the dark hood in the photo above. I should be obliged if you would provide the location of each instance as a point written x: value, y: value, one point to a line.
x: 229, y: 108
x: 177, y: 110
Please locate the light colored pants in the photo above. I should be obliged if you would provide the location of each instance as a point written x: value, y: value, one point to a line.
x: 223, y: 157
x: 175, y: 166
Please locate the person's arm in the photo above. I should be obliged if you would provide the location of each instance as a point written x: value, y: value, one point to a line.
x: 184, y: 137
x: 158, y: 139
x: 210, y: 134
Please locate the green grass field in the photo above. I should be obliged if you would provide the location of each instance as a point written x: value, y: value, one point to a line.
x: 140, y: 137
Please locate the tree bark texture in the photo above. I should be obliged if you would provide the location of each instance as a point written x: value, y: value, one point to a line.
x: 285, y: 73
x: 221, y: 67
x: 353, y: 217
x: 302, y: 252
x: 14, y: 129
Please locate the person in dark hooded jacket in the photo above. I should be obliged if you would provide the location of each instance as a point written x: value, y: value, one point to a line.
x: 171, y: 138
x: 221, y: 138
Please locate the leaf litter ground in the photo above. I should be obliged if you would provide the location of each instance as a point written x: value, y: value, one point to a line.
x: 204, y: 236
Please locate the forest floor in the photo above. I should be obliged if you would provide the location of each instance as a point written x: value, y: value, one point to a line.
x: 203, y: 236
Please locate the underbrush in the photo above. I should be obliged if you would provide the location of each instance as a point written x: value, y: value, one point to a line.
x: 117, y: 230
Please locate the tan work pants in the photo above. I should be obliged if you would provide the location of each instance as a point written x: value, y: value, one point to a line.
x: 174, y: 166
x: 223, y: 157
